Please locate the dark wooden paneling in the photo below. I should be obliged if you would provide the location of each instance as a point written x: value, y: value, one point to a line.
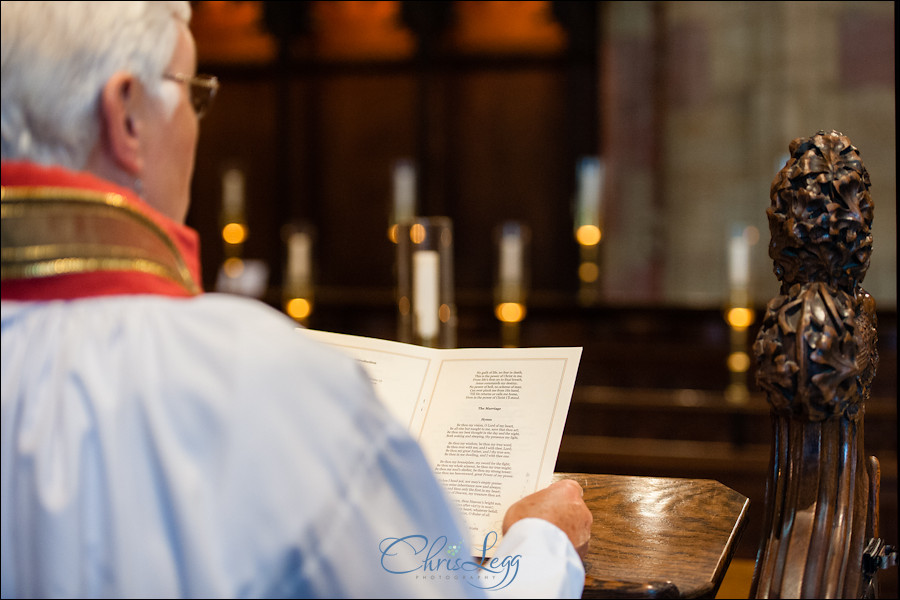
x: 362, y: 126
x: 512, y: 161
x: 500, y: 146
x: 240, y: 130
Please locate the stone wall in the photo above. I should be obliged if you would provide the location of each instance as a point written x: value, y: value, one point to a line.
x: 699, y: 101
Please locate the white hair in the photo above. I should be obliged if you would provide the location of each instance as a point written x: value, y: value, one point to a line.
x: 56, y: 58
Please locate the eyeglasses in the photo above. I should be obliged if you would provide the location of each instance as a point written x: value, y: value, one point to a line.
x: 203, y: 89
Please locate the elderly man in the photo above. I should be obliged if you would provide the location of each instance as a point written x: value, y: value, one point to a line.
x: 159, y: 441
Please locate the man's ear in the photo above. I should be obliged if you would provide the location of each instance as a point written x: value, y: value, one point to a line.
x: 119, y: 115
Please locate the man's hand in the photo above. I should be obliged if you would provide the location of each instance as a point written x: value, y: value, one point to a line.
x: 562, y: 504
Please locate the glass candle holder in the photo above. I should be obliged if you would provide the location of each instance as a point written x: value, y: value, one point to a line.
x: 425, y: 299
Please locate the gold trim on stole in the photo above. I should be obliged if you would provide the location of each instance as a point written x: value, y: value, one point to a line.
x: 50, y: 231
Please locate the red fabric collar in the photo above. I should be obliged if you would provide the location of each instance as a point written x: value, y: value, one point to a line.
x: 97, y: 283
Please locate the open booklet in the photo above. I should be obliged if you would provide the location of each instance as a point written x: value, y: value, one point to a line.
x: 490, y: 420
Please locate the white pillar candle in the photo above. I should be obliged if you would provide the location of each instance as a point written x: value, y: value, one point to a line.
x: 590, y: 174
x: 511, y: 258
x: 404, y: 190
x: 739, y: 260
x: 426, y: 290
x: 299, y: 261
x: 233, y: 192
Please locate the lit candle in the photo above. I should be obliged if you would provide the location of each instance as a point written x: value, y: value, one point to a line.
x: 426, y: 269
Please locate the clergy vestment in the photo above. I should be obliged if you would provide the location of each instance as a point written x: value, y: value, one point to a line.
x: 161, y: 441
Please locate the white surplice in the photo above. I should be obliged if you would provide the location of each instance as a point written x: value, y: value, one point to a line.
x: 159, y: 447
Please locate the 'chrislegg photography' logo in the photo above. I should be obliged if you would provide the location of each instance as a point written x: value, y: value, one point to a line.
x: 414, y: 554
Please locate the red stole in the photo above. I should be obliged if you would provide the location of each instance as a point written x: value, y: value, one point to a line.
x: 68, y: 234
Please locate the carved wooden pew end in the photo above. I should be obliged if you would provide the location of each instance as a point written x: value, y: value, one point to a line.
x: 816, y: 359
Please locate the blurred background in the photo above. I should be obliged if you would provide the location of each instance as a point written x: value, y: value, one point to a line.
x: 633, y: 143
